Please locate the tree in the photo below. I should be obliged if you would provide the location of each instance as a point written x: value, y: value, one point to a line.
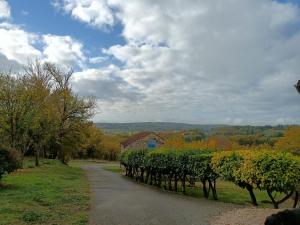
x: 39, y: 112
x: 290, y: 141
x: 72, y: 112
x: 37, y: 82
x: 231, y: 166
x: 277, y: 173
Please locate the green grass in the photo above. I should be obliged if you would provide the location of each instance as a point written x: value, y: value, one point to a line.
x: 107, y: 165
x: 113, y: 167
x: 231, y: 193
x: 52, y: 194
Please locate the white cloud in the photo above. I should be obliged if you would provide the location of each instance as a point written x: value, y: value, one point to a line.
x: 63, y: 50
x: 222, y: 61
x: 17, y: 44
x: 4, y: 9
x: 96, y: 13
x: 210, y: 61
x: 21, y: 46
x: 97, y: 60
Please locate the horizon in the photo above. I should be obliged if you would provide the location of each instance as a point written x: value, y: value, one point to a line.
x: 201, y: 62
x: 199, y: 124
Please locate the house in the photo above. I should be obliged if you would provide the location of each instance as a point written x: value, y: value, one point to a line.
x: 143, y: 140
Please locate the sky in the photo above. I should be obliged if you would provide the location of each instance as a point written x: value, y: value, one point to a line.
x: 197, y: 61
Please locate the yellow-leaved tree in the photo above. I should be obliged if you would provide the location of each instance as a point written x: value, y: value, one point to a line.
x: 290, y: 141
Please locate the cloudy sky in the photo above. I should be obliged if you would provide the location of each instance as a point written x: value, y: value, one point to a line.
x: 196, y: 61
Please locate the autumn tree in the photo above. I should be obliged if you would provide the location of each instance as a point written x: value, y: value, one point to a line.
x: 290, y: 141
x: 39, y: 112
x: 72, y: 112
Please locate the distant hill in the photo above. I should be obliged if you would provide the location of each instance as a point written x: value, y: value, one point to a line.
x: 153, y: 126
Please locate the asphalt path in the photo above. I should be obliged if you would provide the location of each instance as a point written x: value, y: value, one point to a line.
x: 118, y: 200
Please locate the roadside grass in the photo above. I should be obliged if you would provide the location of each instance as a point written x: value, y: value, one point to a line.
x: 113, y: 167
x: 107, y: 165
x: 53, y: 194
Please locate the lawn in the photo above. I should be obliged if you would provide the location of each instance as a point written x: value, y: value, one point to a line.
x: 53, y: 194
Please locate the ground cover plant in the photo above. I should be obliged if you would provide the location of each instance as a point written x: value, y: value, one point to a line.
x: 52, y: 193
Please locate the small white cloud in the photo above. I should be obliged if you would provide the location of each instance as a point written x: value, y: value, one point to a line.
x: 97, y: 60
x: 63, y: 50
x: 4, y: 9
x: 96, y: 13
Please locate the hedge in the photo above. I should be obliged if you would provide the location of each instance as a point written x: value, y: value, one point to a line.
x: 270, y: 171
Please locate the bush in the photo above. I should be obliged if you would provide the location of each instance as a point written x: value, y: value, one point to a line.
x: 273, y: 172
x: 165, y: 167
x: 277, y: 173
x: 9, y: 161
x: 232, y: 166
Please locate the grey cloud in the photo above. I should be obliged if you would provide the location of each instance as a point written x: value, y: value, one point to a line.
x: 7, y: 66
x: 105, y: 86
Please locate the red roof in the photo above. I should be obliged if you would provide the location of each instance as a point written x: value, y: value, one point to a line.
x: 136, y: 137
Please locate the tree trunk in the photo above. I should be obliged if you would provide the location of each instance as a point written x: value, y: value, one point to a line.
x: 252, y: 195
x: 170, y: 182
x: 296, y: 199
x: 142, y: 175
x: 36, y: 152
x: 204, y: 188
x: 176, y: 183
x: 151, y: 179
x: 147, y: 177
x: 183, y: 184
x: 159, y: 180
x: 276, y: 203
x: 213, y: 188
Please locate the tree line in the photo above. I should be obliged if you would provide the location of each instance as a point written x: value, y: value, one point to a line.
x: 273, y: 172
x: 39, y: 112
x: 41, y: 116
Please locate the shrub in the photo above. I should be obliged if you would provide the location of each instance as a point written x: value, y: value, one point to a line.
x: 231, y: 166
x: 274, y: 172
x: 277, y: 173
x: 162, y: 166
x: 9, y: 161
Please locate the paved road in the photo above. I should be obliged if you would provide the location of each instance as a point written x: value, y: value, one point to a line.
x: 117, y: 200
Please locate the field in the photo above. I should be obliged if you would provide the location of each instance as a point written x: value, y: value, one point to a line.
x: 50, y: 194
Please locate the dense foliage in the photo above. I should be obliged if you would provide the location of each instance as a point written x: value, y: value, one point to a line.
x: 40, y: 114
x: 290, y: 141
x: 9, y: 161
x: 167, y: 167
x: 270, y: 171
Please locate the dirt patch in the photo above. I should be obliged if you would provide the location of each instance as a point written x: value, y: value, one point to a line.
x: 7, y: 186
x: 246, y: 216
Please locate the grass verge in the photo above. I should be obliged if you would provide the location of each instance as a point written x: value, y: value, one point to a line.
x: 113, y: 167
x: 50, y: 194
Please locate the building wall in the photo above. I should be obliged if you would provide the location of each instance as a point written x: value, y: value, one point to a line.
x: 143, y: 143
